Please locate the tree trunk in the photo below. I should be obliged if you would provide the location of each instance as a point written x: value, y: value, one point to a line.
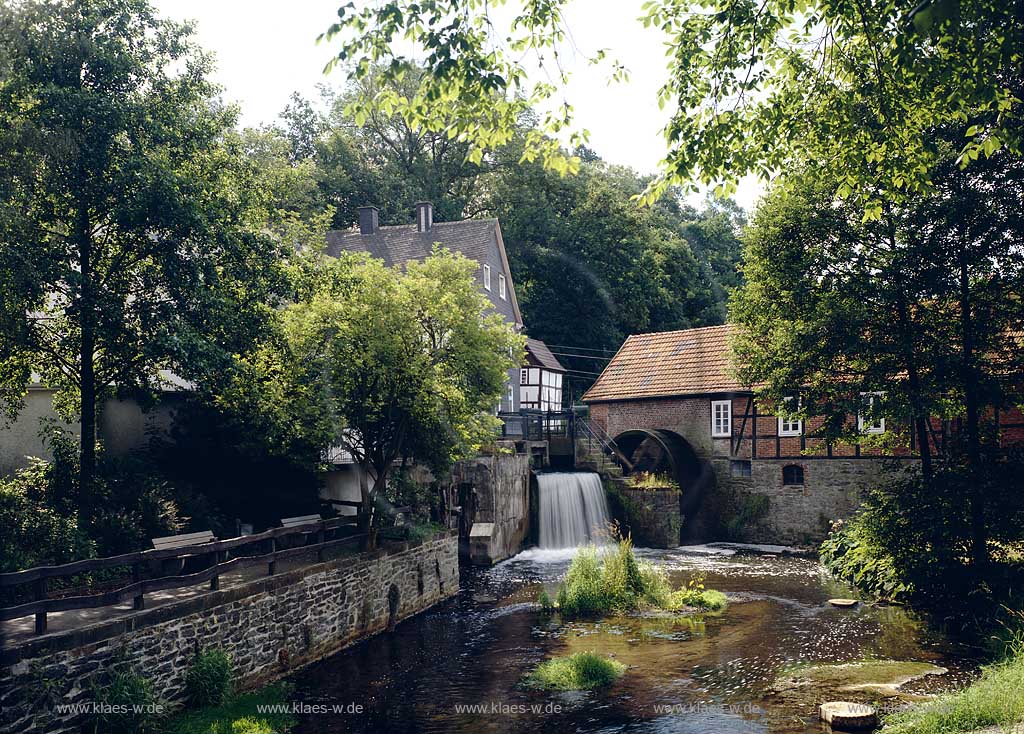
x: 969, y: 377
x: 87, y: 387
x: 366, y: 510
x: 906, y: 326
x: 920, y: 418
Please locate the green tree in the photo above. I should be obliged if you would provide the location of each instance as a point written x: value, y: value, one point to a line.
x: 917, y: 305
x: 590, y: 267
x: 389, y: 365
x: 129, y: 219
x: 756, y: 86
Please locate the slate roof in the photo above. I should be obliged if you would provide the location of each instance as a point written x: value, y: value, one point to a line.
x: 477, y: 239
x: 668, y: 363
x: 540, y: 355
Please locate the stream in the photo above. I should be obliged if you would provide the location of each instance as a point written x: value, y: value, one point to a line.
x: 457, y: 667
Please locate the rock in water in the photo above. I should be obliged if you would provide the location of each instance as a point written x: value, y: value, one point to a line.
x: 843, y: 602
x: 846, y: 715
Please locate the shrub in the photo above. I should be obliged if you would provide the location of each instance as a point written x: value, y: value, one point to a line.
x: 34, y: 532
x: 577, y: 672
x: 42, y: 515
x: 706, y: 600
x: 126, y: 704
x: 208, y: 680
x: 912, y: 539
x: 583, y: 593
x: 853, y: 555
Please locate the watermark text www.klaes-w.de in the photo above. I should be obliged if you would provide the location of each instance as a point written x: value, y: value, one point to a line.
x: 99, y: 708
x: 499, y: 708
x: 301, y: 708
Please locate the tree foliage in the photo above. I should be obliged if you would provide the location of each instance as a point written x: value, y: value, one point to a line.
x: 589, y: 266
x: 756, y: 87
x: 918, y: 307
x: 130, y: 221
x: 388, y: 365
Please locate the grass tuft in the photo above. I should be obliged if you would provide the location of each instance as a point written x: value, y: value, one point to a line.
x: 993, y: 700
x: 613, y: 580
x: 707, y: 600
x: 238, y: 715
x: 581, y: 671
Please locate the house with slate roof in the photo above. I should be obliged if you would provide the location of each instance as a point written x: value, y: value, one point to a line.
x: 479, y: 240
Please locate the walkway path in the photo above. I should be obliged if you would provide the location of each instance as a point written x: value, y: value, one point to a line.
x: 20, y: 630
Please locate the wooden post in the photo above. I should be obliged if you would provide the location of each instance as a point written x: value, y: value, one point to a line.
x: 139, y: 601
x: 215, y: 579
x: 753, y: 433
x: 272, y: 565
x: 41, y: 616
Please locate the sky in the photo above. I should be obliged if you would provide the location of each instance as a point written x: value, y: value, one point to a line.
x: 267, y: 50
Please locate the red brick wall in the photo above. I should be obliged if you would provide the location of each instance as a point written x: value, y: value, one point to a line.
x: 691, y: 418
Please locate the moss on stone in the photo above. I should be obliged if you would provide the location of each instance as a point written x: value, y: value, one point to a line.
x: 883, y: 677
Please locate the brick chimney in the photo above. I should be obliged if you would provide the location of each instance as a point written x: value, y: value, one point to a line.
x: 424, y: 216
x: 369, y: 220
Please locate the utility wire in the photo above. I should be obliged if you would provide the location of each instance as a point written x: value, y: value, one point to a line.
x: 581, y: 349
x: 582, y: 356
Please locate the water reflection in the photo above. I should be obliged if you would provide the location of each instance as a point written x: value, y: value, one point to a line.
x: 712, y: 673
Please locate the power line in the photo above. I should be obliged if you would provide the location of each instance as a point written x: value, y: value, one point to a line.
x: 584, y: 372
x: 581, y: 349
x: 582, y: 356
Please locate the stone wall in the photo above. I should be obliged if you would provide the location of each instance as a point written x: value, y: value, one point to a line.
x: 494, y: 492
x: 269, y: 627
x: 651, y: 515
x: 761, y: 509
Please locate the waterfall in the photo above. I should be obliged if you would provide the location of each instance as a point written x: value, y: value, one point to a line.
x: 573, y: 510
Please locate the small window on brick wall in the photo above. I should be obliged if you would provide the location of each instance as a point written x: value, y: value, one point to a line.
x: 739, y: 468
x: 792, y: 474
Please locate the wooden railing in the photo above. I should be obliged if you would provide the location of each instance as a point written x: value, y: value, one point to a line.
x: 141, y: 562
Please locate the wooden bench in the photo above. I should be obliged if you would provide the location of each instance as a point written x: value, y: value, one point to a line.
x: 174, y: 566
x: 184, y: 540
x: 291, y: 522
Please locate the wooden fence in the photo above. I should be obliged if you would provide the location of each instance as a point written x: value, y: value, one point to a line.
x: 141, y: 562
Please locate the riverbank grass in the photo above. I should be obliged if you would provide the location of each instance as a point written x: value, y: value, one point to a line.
x: 581, y: 671
x: 612, y: 580
x: 238, y: 715
x: 994, y: 700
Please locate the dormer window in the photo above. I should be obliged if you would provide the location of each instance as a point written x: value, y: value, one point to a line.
x: 867, y: 419
x: 790, y: 426
x: 501, y: 287
x: 487, y: 277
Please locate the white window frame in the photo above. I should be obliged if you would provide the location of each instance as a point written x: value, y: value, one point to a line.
x: 524, y: 376
x: 870, y: 429
x: 726, y: 432
x: 788, y: 427
x: 487, y: 277
x: 502, y: 292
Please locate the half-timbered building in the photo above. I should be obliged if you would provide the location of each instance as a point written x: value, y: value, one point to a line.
x: 679, y: 384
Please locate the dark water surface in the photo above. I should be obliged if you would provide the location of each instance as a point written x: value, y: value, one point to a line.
x: 706, y: 674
